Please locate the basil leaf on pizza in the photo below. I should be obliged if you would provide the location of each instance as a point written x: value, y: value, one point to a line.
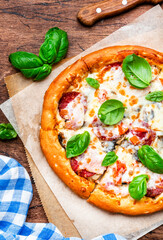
x: 151, y: 159
x: 7, y: 131
x: 138, y: 187
x: 156, y: 96
x: 93, y: 82
x: 109, y: 159
x: 137, y: 71
x: 77, y: 144
x: 111, y: 112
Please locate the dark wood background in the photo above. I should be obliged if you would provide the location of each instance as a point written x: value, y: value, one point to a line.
x: 23, y: 24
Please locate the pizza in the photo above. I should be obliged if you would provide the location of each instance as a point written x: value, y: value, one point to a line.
x: 102, y: 129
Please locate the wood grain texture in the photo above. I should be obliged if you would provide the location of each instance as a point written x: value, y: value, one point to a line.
x: 97, y: 11
x: 23, y: 24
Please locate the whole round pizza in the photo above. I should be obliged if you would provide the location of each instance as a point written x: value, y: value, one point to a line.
x: 102, y: 129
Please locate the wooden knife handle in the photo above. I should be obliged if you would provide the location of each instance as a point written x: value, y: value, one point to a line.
x: 94, y: 12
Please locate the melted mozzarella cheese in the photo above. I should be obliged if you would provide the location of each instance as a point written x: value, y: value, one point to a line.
x: 133, y: 169
x: 75, y: 113
x: 153, y: 115
x: 92, y: 158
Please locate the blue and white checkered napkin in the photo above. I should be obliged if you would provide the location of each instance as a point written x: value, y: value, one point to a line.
x: 15, y: 197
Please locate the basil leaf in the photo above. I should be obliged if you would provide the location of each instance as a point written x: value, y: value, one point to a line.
x: 31, y: 73
x: 137, y: 71
x: 77, y: 144
x: 48, y: 51
x: 156, y: 96
x: 25, y: 60
x: 44, y: 72
x: 109, y: 159
x: 7, y: 131
x: 39, y: 73
x: 60, y: 40
x: 111, y: 112
x: 151, y: 159
x: 93, y: 83
x: 28, y: 63
x: 138, y: 186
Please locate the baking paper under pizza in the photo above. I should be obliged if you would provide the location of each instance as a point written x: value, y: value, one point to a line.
x: 102, y: 129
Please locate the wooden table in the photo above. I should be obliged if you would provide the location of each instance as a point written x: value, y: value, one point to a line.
x: 23, y: 24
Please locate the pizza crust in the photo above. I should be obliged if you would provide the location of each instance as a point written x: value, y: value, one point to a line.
x: 54, y: 152
x: 114, y: 54
x: 56, y: 158
x: 125, y: 205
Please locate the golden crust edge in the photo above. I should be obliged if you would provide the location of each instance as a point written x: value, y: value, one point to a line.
x: 57, y: 160
x: 118, y: 53
x: 125, y: 205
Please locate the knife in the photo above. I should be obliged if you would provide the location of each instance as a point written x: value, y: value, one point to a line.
x: 108, y: 8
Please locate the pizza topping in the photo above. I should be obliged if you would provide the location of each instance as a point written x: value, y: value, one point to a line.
x: 118, y: 171
x: 102, y: 95
x: 155, y: 72
x: 111, y: 112
x: 108, y: 133
x: 125, y: 169
x: 108, y: 146
x: 138, y: 187
x: 154, y: 192
x: 72, y: 107
x: 137, y: 71
x: 93, y: 83
x: 62, y: 140
x: 151, y: 159
x: 74, y: 164
x: 140, y: 133
x: 156, y: 96
x: 151, y: 113
x: 109, y: 159
x: 77, y: 144
x: 83, y: 173
x: 66, y: 99
x: 92, y: 159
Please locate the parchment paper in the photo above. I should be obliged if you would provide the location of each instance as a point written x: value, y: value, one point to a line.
x: 90, y: 221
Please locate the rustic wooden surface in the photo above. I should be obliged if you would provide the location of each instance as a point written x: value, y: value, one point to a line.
x: 23, y: 24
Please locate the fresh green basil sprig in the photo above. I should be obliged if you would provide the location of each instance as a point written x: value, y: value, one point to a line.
x: 111, y: 112
x: 109, y: 159
x: 93, y: 83
x: 55, y: 46
x: 138, y: 186
x: 151, y: 159
x: 137, y: 71
x: 51, y: 51
x: 7, y: 131
x: 77, y: 144
x: 156, y: 96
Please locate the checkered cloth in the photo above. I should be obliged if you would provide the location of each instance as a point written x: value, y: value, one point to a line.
x: 15, y: 197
